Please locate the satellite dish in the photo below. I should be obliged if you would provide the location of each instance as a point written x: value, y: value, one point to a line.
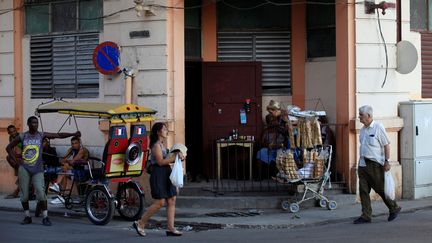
x: 407, y: 57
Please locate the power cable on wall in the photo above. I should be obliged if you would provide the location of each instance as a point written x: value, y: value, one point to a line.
x: 111, y: 14
x: 266, y: 2
x: 68, y: 17
x: 5, y: 11
x: 385, y: 49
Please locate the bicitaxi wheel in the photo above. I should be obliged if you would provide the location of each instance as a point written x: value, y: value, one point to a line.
x: 130, y: 202
x: 99, y: 206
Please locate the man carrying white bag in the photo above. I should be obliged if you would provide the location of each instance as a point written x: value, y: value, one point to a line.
x: 372, y: 166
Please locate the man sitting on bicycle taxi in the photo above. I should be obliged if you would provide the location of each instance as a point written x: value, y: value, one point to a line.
x: 74, y: 160
x: 52, y: 164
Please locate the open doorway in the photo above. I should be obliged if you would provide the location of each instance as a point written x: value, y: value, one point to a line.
x: 193, y: 120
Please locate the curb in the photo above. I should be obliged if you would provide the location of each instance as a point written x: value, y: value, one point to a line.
x: 202, y: 226
x: 71, y: 213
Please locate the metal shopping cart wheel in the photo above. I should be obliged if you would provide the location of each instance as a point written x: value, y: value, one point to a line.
x: 285, y: 205
x: 331, y: 205
x: 294, y: 207
x: 323, y: 203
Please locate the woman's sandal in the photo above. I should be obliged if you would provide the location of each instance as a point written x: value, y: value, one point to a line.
x: 139, y: 231
x: 174, y: 233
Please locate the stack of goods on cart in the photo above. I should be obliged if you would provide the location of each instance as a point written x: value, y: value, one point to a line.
x: 308, y: 129
x: 309, y: 157
x: 304, y: 132
x: 287, y: 167
x: 320, y: 164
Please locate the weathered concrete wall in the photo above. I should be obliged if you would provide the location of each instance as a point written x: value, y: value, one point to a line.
x: 370, y: 72
x: 6, y: 61
x: 148, y: 57
x: 7, y: 105
x: 321, y: 86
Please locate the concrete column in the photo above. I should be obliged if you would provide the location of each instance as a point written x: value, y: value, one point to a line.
x: 18, y: 19
x: 175, y: 67
x: 209, y: 31
x: 345, y: 90
x: 298, y: 50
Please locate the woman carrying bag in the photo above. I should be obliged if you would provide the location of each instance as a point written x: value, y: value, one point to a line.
x: 162, y: 190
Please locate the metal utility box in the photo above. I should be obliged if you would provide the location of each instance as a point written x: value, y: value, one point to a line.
x: 416, y: 149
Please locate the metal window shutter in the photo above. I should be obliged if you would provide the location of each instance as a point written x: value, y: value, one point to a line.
x: 72, y: 74
x: 64, y: 76
x: 272, y: 48
x: 87, y: 76
x: 41, y: 67
x: 426, y: 58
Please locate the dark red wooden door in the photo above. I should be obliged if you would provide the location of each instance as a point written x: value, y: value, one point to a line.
x: 226, y: 86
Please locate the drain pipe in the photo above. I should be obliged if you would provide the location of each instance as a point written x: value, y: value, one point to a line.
x: 129, y: 75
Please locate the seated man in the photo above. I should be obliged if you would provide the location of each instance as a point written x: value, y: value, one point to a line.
x: 52, y: 165
x: 74, y: 160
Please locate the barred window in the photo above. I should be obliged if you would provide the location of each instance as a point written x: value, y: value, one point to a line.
x: 59, y: 16
x: 321, y: 29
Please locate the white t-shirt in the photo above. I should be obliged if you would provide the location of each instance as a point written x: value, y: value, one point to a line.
x: 372, y: 141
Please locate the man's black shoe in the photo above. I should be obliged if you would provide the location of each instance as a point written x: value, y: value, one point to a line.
x: 46, y: 221
x: 27, y: 220
x: 394, y: 215
x: 362, y: 221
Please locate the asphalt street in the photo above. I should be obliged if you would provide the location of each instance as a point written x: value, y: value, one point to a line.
x: 409, y: 227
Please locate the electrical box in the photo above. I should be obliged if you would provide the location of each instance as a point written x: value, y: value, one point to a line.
x: 415, y: 147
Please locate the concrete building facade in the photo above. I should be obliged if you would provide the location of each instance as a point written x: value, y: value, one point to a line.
x: 342, y: 83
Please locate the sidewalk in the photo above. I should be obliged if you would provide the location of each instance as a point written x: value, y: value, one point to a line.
x: 268, y: 218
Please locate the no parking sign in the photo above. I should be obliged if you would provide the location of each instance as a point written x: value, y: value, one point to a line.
x: 106, y: 58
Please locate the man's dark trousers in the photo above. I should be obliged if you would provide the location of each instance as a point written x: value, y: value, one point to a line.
x: 372, y: 177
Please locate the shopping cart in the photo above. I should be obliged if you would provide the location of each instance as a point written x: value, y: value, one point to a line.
x: 313, y: 183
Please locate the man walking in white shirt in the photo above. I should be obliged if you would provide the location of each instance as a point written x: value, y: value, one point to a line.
x: 374, y: 161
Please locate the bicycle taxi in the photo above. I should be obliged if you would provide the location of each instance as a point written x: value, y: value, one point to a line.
x: 123, y: 158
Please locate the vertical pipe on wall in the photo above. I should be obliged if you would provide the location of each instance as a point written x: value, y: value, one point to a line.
x: 128, y: 89
x: 399, y: 20
x: 18, y: 25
